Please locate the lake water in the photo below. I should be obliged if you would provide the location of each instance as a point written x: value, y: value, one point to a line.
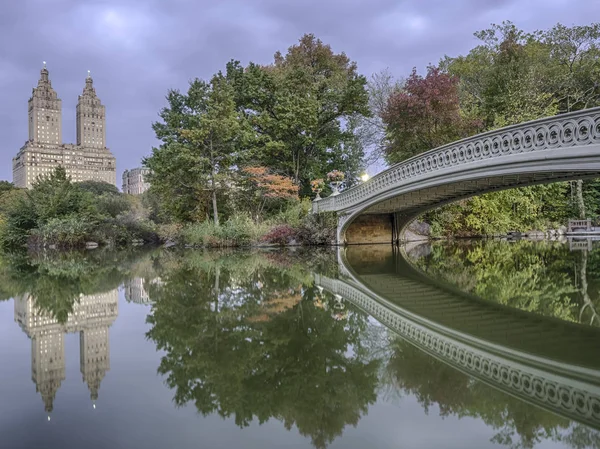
x: 463, y: 345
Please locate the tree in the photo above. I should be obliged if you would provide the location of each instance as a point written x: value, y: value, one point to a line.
x: 299, y: 106
x: 200, y: 134
x: 424, y: 115
x: 98, y: 187
x: 262, y: 188
x: 575, y: 54
x: 52, y: 197
x: 575, y: 57
x: 5, y: 187
x: 55, y: 196
x: 371, y: 130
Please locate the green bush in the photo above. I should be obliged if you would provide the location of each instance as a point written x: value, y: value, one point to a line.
x: 112, y: 205
x: 170, y: 232
x: 238, y: 230
x: 318, y: 229
x: 64, y: 232
x: 241, y: 230
x: 123, y: 230
x: 199, y: 234
x: 294, y: 214
x: 17, y: 221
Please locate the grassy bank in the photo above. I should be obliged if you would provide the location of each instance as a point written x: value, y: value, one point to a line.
x: 241, y: 230
x: 57, y: 213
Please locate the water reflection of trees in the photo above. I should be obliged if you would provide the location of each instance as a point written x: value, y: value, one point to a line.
x: 248, y: 337
x: 56, y: 280
x: 540, y: 277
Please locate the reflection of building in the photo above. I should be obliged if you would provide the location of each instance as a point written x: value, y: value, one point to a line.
x: 88, y: 159
x: 91, y: 317
x: 136, y: 290
x: 134, y: 181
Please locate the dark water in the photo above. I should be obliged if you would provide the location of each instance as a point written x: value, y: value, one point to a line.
x: 470, y: 345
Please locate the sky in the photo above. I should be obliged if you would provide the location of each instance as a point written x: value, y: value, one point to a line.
x: 138, y: 50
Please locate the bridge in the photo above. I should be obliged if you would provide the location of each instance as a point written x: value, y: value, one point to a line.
x: 544, y: 361
x: 559, y: 148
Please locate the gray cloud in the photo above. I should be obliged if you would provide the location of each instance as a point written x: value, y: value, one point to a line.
x: 137, y: 50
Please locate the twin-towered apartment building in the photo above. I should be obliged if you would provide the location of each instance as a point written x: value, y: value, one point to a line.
x: 87, y: 159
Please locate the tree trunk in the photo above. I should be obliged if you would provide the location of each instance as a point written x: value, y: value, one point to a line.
x: 580, y: 203
x: 214, y: 204
x: 213, y: 185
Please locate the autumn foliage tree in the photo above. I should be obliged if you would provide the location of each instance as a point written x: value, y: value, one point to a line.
x: 265, y: 189
x: 424, y: 114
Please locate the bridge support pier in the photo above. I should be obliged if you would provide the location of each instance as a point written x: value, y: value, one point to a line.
x: 369, y: 229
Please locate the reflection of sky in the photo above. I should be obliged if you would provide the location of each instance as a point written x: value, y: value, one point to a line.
x: 135, y: 408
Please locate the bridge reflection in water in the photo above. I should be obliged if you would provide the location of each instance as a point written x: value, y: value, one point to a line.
x: 544, y: 361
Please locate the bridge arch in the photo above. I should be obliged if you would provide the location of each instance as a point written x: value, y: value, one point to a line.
x: 559, y: 148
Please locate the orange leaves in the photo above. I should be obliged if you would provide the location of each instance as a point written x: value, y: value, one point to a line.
x: 272, y: 185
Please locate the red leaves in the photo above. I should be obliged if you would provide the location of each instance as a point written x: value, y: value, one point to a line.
x: 280, y: 235
x: 424, y: 114
x: 434, y: 97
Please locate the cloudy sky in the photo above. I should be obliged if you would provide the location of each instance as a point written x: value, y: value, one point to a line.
x: 138, y: 49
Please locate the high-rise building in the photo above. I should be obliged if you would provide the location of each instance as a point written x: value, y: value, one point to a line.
x: 88, y: 159
x: 134, y: 181
x: 91, y: 118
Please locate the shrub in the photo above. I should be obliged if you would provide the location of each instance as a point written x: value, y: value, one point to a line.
x: 238, y: 230
x: 318, y: 229
x: 18, y: 221
x: 98, y: 187
x: 170, y: 232
x: 199, y: 234
x: 123, y: 230
x: 280, y: 235
x: 294, y: 213
x: 64, y: 232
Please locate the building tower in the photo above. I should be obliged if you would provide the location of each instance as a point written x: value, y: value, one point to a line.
x: 91, y: 118
x: 45, y: 112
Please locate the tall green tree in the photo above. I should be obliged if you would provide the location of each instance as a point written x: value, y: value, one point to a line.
x: 201, y: 133
x: 299, y: 108
x: 575, y: 63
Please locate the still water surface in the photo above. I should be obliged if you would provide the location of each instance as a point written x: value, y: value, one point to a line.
x: 470, y: 345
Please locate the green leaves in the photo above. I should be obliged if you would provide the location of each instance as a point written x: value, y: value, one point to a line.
x: 201, y: 133
x: 298, y: 109
x: 296, y: 117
